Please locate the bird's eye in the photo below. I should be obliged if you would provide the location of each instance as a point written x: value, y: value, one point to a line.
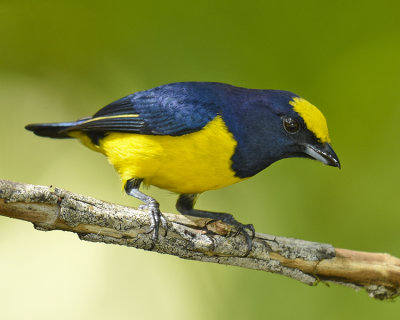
x: 291, y: 125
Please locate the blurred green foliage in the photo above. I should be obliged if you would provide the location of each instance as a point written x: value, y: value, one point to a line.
x: 62, y: 60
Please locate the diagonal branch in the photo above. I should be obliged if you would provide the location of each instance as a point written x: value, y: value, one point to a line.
x: 98, y: 221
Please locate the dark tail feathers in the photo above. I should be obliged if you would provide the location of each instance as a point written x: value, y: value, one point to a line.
x: 52, y: 130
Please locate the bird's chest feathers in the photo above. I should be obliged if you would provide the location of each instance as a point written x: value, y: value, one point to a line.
x: 190, y: 163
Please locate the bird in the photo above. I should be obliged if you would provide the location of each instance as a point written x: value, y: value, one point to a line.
x: 192, y: 137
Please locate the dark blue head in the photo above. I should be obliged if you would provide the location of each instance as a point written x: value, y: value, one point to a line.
x: 270, y: 125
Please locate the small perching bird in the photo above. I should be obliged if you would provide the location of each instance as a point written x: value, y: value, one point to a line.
x: 191, y: 137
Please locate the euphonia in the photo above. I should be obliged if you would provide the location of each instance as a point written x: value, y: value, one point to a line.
x: 191, y: 137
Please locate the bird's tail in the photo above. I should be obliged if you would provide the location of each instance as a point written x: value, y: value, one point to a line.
x: 53, y: 130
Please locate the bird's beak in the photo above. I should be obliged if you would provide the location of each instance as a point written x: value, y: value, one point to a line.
x: 324, y: 153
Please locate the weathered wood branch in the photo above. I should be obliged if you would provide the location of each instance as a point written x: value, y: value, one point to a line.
x: 98, y: 221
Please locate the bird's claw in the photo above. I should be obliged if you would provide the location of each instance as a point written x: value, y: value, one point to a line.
x: 242, y: 227
x: 156, y: 218
x: 247, y: 230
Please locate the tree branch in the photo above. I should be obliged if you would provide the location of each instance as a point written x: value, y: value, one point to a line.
x: 98, y: 221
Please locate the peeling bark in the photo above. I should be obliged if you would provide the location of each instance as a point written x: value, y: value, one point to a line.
x: 98, y: 221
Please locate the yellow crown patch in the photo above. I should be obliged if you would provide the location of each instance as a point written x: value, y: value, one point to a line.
x: 313, y: 118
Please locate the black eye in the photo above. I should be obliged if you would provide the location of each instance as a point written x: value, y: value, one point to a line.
x: 291, y: 125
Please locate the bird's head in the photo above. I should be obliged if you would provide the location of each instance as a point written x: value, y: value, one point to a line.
x: 303, y: 129
x: 309, y: 130
x: 279, y: 125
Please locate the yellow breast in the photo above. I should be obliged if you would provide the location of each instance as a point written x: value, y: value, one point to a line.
x: 191, y: 163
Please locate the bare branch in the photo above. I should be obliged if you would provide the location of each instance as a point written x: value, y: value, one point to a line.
x: 98, y: 221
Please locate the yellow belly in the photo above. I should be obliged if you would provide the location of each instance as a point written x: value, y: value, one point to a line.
x: 191, y: 163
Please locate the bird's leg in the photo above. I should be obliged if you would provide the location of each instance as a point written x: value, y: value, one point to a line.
x: 153, y: 207
x: 185, y: 206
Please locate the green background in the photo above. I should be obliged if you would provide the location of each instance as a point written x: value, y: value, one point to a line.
x: 62, y: 60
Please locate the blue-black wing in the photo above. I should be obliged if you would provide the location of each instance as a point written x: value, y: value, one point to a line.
x: 173, y: 109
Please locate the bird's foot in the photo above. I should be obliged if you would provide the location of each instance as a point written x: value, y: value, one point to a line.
x: 156, y: 218
x: 247, y: 230
x: 185, y: 205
